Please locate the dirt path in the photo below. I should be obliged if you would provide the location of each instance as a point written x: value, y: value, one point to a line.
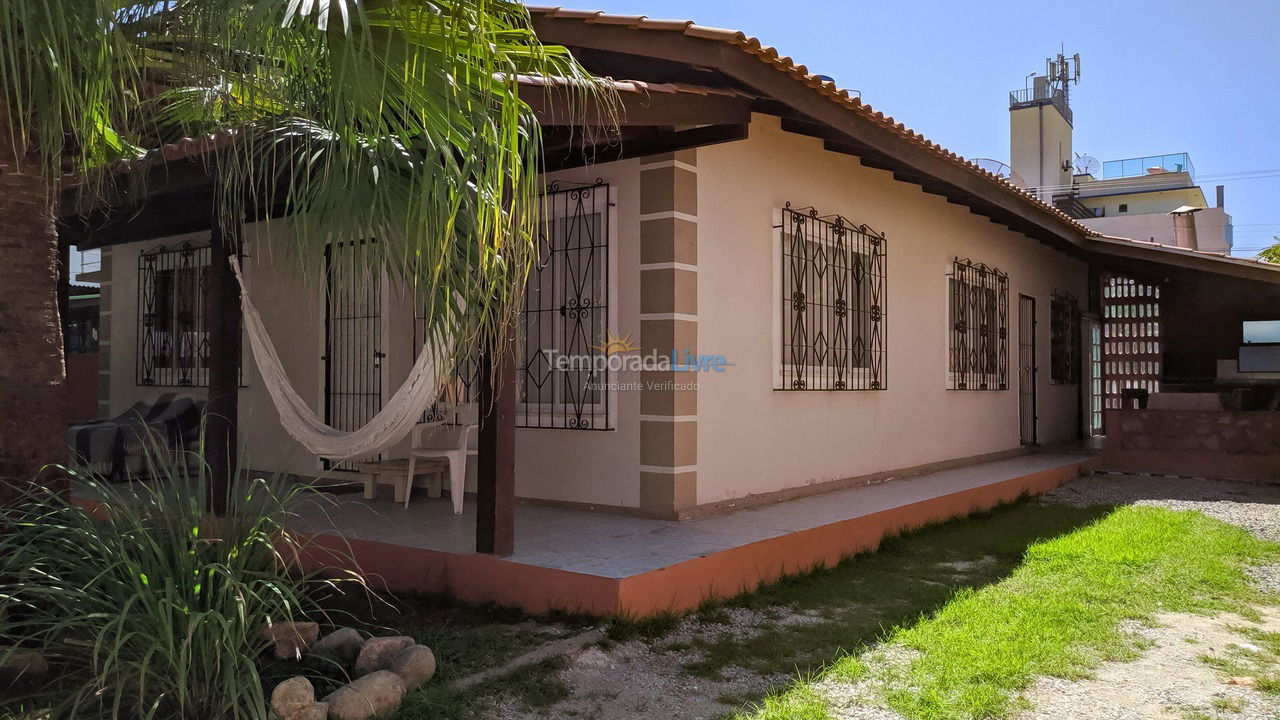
x: 642, y: 679
x: 1169, y: 681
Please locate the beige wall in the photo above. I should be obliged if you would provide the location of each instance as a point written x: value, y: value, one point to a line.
x: 292, y: 312
x: 750, y: 438
x: 1157, y: 226
x: 589, y: 467
x: 753, y: 439
x: 1161, y: 201
x: 597, y: 467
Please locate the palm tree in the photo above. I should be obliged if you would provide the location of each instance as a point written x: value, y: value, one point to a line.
x: 394, y: 118
x: 1271, y: 253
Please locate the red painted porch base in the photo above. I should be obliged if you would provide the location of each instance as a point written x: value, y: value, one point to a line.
x: 679, y: 587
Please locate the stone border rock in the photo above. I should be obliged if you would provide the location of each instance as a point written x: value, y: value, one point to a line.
x: 383, y: 668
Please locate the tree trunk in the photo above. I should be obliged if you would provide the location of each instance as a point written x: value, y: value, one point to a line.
x: 32, y: 375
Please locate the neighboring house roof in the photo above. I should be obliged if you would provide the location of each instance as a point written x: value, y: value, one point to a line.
x: 1247, y: 268
x: 771, y: 57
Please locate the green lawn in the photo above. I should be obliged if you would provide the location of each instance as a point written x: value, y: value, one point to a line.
x: 1057, y: 613
x: 851, y: 605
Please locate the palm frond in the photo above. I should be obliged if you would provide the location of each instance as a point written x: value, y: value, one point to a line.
x: 394, y: 120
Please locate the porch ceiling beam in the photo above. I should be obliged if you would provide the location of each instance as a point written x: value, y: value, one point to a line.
x: 742, y: 67
x: 160, y: 215
x: 550, y: 104
x: 639, y: 142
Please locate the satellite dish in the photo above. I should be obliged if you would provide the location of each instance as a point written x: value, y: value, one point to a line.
x: 1087, y: 165
x: 1000, y: 169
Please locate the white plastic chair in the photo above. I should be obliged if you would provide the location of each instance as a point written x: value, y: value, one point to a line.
x: 442, y: 441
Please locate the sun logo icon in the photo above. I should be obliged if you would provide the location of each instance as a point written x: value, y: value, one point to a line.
x: 614, y: 345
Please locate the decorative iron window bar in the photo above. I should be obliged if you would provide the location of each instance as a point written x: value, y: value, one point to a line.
x: 1064, y: 338
x: 456, y: 402
x: 564, y: 370
x: 979, y: 306
x: 565, y: 314
x: 833, y: 303
x: 173, y: 343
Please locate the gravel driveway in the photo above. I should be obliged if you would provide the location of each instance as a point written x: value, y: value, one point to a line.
x: 1252, y: 506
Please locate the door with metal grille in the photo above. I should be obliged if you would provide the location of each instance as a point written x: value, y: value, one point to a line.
x: 1027, y: 368
x: 353, y: 342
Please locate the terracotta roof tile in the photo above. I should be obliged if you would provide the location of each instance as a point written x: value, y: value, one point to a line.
x: 801, y: 73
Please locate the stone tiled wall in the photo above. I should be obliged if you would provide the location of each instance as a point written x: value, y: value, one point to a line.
x: 1194, y: 442
x: 669, y: 321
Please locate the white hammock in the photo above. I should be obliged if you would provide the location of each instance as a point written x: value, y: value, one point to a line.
x: 394, y: 421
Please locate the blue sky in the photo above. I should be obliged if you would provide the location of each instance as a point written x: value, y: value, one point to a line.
x: 1157, y: 77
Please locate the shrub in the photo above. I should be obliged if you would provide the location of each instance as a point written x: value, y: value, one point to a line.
x: 148, y: 606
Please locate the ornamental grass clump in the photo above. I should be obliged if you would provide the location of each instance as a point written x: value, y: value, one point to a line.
x: 147, y: 605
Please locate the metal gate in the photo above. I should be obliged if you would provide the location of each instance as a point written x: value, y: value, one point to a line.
x: 1027, y: 369
x: 352, y: 342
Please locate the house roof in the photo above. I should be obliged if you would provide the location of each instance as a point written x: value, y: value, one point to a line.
x: 731, y: 92
x: 819, y: 87
x: 800, y: 73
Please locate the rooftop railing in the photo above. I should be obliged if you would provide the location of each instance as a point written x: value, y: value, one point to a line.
x: 1137, y: 166
x: 1033, y: 95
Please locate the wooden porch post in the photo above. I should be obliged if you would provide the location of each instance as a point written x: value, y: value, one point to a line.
x: 223, y: 323
x: 495, y: 475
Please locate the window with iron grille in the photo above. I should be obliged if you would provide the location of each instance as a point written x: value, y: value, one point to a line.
x: 456, y: 402
x: 173, y: 344
x: 566, y: 314
x: 1064, y: 338
x: 832, y: 304
x: 979, y: 337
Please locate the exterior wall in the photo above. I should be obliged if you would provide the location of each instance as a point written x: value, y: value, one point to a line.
x: 699, y: 277
x: 292, y: 311
x: 669, y: 324
x: 753, y: 439
x: 1139, y: 203
x: 597, y: 468
x: 1213, y: 227
x: 1039, y: 144
x: 1211, y: 443
x: 106, y: 311
x: 82, y: 388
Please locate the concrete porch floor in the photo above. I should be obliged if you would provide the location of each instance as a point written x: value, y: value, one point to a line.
x: 608, y: 563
